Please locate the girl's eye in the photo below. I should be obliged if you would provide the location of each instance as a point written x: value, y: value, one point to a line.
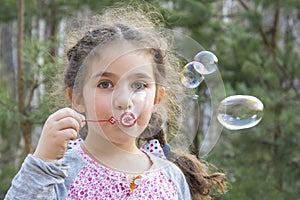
x: 139, y: 85
x: 105, y: 84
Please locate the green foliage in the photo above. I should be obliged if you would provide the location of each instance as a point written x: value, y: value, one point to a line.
x: 5, y: 176
x: 8, y: 111
x: 38, y: 78
x: 9, y: 7
x: 261, y: 162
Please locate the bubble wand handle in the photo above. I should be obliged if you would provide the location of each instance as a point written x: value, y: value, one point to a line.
x: 111, y: 120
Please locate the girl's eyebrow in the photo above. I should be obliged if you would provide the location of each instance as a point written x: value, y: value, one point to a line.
x: 142, y: 75
x: 135, y: 75
x: 105, y: 74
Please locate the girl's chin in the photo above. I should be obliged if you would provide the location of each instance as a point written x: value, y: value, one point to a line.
x: 133, y: 131
x: 119, y: 134
x: 121, y: 137
x: 121, y: 140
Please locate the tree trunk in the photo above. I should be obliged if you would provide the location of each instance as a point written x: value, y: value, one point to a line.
x: 25, y: 124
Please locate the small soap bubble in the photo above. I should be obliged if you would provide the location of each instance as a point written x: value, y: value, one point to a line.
x: 208, y: 60
x: 190, y: 77
x: 240, y: 112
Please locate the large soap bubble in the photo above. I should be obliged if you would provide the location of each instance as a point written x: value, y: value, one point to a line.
x: 240, y: 112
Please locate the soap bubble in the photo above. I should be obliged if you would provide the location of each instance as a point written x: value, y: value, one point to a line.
x: 240, y: 112
x: 208, y: 60
x: 190, y: 77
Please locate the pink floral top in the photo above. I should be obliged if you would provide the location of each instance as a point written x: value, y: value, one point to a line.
x: 95, y: 181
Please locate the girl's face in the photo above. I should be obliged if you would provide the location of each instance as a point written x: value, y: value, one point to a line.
x: 121, y: 80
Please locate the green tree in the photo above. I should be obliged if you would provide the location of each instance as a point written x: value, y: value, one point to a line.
x: 259, y: 56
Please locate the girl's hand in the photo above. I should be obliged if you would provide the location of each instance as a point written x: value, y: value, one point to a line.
x: 59, y: 128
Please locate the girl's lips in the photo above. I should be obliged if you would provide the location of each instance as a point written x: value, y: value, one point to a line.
x: 127, y: 119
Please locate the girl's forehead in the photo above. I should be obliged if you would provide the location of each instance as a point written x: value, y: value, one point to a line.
x: 119, y: 60
x: 118, y: 49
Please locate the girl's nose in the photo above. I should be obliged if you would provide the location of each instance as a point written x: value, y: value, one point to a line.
x: 122, y: 99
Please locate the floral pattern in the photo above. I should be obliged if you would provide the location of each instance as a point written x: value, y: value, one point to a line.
x: 95, y: 181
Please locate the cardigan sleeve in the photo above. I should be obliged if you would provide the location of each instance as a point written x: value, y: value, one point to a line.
x: 38, y: 180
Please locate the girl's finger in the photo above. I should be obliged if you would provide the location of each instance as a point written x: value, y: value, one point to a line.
x: 67, y: 134
x: 68, y: 122
x: 67, y: 112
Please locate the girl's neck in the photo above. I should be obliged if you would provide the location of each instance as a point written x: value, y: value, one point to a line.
x: 118, y: 157
x: 96, y: 143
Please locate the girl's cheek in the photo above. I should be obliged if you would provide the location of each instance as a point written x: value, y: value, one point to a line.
x: 101, y: 105
x: 144, y: 118
x: 143, y: 122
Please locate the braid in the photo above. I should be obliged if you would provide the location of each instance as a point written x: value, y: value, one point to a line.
x: 201, y: 183
x: 89, y: 41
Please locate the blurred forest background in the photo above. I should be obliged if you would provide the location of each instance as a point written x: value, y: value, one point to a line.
x: 258, y: 46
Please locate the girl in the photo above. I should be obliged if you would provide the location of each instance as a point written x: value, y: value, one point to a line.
x: 116, y: 81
